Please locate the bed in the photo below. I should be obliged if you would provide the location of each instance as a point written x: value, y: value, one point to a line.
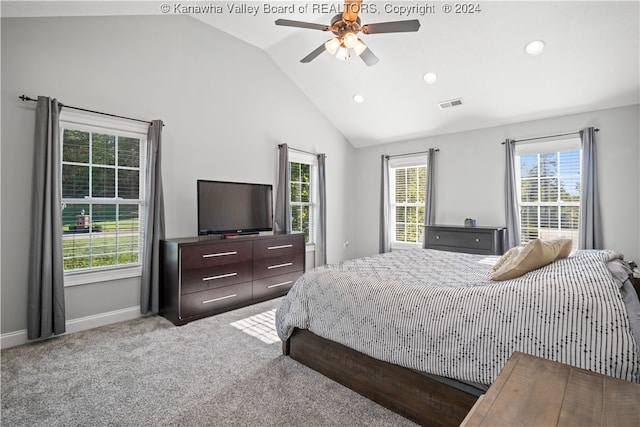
x: 424, y: 332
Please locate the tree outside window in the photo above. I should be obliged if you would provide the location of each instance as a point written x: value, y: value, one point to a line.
x: 302, y: 206
x: 101, y: 198
x: 408, y: 192
x: 550, y: 195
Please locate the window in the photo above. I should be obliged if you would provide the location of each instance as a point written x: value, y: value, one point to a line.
x: 102, y: 192
x: 407, y: 187
x: 549, y: 190
x: 303, y: 177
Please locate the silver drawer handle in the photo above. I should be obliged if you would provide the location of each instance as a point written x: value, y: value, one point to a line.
x: 219, y: 299
x: 221, y: 276
x: 280, y: 284
x: 477, y: 240
x: 437, y: 237
x: 287, y: 264
x: 279, y: 247
x: 220, y: 254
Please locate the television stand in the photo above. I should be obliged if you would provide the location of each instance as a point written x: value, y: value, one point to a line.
x: 206, y: 275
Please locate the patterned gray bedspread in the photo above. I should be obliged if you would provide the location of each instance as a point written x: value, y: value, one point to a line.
x: 437, y: 312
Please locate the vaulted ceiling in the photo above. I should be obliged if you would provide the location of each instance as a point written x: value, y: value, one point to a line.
x: 591, y: 60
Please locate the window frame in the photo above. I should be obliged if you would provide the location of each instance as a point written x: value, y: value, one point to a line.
x: 312, y: 161
x: 95, y: 123
x: 553, y: 146
x: 404, y: 162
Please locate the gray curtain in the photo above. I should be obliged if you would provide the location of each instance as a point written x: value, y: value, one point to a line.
x: 429, y: 201
x: 512, y: 204
x: 590, y: 225
x: 46, y: 309
x: 385, y: 244
x: 321, y: 238
x: 282, y: 220
x: 153, y: 223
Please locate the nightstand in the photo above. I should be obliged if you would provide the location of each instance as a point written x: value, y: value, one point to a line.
x: 530, y: 391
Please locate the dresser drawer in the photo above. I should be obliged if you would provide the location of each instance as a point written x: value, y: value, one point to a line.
x: 471, y: 240
x: 201, y: 279
x: 207, y: 255
x: 215, y: 299
x: 280, y: 246
x: 270, y: 287
x: 275, y: 266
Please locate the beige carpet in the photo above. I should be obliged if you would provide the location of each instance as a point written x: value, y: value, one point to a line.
x: 149, y: 372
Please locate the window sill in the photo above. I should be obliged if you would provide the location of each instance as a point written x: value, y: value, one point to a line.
x: 106, y: 275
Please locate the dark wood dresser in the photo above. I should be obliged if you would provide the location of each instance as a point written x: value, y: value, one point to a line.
x: 473, y: 240
x: 202, y: 276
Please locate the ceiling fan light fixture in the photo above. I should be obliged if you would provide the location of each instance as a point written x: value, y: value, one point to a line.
x: 358, y: 99
x: 332, y: 45
x: 359, y: 47
x: 343, y: 53
x: 349, y: 40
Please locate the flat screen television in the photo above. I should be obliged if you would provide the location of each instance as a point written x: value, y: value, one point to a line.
x: 234, y: 207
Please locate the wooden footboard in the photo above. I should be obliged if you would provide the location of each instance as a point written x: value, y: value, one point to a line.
x: 414, y: 396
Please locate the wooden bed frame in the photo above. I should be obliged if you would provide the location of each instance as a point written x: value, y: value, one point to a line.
x: 415, y: 396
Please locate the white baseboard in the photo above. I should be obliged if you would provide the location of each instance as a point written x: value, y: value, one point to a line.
x: 12, y: 339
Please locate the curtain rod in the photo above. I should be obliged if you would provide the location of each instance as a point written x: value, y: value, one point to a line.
x: 297, y: 149
x: 388, y: 156
x: 548, y: 136
x: 26, y: 98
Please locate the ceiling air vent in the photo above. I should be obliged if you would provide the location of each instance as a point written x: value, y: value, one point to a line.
x: 450, y: 103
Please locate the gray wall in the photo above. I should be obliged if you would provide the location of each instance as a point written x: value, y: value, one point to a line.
x: 470, y: 175
x: 227, y: 106
x: 225, y: 103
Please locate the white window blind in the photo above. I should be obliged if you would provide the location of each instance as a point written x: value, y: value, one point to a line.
x: 303, y: 190
x: 103, y: 167
x: 549, y: 175
x: 407, y: 186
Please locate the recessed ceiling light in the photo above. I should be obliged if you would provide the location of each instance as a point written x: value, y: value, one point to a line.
x: 430, y: 78
x: 535, y: 47
x: 358, y: 99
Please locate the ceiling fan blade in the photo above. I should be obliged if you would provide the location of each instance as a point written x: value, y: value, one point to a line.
x: 392, y: 27
x: 313, y: 55
x: 300, y: 24
x: 369, y: 57
x: 351, y: 10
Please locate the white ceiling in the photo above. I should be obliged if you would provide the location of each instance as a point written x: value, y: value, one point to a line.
x: 591, y: 61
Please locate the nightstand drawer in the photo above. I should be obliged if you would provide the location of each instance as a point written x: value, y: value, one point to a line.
x: 460, y: 239
x: 201, y: 279
x: 473, y: 240
x: 200, y: 256
x: 215, y: 299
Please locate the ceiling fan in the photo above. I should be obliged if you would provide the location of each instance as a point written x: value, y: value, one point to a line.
x: 345, y: 27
